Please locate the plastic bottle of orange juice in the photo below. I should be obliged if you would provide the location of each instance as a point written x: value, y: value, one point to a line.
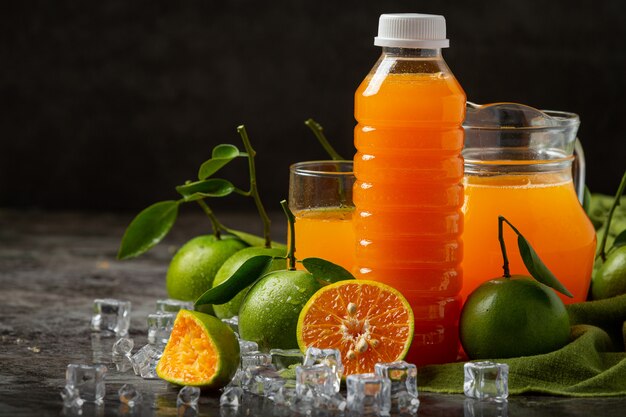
x: 409, y: 170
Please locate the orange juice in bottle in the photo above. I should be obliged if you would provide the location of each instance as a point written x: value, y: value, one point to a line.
x: 408, y: 192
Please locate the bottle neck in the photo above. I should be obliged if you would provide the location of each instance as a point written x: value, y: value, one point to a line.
x: 411, y: 52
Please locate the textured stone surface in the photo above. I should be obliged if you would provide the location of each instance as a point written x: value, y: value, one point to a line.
x: 52, y: 266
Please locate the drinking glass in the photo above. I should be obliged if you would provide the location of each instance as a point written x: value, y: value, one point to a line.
x: 320, y: 197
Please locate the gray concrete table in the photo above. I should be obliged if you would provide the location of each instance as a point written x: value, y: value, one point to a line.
x: 52, y: 266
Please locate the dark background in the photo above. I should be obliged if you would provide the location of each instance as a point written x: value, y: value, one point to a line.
x: 107, y: 105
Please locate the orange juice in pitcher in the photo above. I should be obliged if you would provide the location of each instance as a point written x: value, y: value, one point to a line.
x: 518, y: 163
x: 408, y: 192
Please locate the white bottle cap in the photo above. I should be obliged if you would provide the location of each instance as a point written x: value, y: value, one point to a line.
x: 412, y: 30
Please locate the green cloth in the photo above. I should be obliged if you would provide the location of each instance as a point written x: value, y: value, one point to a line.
x: 592, y: 364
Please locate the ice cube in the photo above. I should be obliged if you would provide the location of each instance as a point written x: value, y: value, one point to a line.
x: 368, y: 394
x: 71, y: 397
x: 231, y: 397
x: 184, y: 410
x: 255, y: 378
x: 255, y: 358
x: 122, y: 347
x: 486, y: 380
x: 111, y: 317
x: 478, y: 408
x: 169, y: 305
x: 403, y: 378
x: 123, y: 364
x: 129, y: 395
x: 145, y: 361
x: 286, y: 394
x: 313, y: 380
x: 160, y: 327
x: 88, y: 380
x: 246, y: 346
x: 282, y: 358
x: 233, y: 323
x: 329, y: 357
x: 188, y: 395
x: 236, y: 380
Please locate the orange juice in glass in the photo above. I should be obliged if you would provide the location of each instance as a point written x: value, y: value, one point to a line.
x: 320, y: 197
x: 518, y: 164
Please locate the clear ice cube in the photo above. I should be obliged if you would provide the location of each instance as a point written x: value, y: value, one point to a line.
x: 145, y: 361
x: 255, y: 358
x: 246, y: 346
x: 255, y: 379
x: 335, y: 402
x: 283, y: 358
x: 233, y: 323
x: 368, y: 394
x: 111, y: 317
x: 486, y: 380
x: 231, y: 397
x: 160, y: 327
x: 314, y: 380
x: 88, y: 380
x: 71, y: 397
x: 188, y: 395
x: 129, y: 395
x: 403, y: 379
x: 286, y: 394
x: 122, y: 347
x: 329, y: 357
x: 170, y: 305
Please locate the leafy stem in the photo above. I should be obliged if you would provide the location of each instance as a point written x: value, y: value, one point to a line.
x: 291, y: 251
x: 254, y: 192
x: 531, y: 260
x: 620, y: 190
x: 318, y: 131
x: 215, y: 224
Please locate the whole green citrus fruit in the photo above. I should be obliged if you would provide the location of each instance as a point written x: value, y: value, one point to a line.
x: 269, y: 312
x: 610, y: 280
x: 193, y: 268
x: 231, y: 265
x: 511, y: 317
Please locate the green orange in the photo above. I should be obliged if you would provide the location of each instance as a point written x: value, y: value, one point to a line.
x: 193, y: 268
x: 610, y: 280
x: 369, y: 322
x: 228, y: 268
x: 202, y: 351
x: 512, y: 317
x: 269, y: 312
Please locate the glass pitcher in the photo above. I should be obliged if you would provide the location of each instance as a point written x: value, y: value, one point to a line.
x: 518, y: 163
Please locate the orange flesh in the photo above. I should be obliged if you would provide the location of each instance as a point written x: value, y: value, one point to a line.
x: 189, y: 356
x: 377, y: 330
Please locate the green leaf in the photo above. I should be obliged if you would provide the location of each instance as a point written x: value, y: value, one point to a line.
x: 537, y: 268
x: 620, y: 240
x: 222, y: 155
x: 248, y: 272
x: 326, y: 271
x: 254, y: 240
x: 213, y: 187
x: 148, y: 228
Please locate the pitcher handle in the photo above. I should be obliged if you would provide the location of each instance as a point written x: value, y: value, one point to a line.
x: 578, y: 170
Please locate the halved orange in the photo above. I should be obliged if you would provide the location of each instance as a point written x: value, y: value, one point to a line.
x: 202, y: 351
x: 369, y: 322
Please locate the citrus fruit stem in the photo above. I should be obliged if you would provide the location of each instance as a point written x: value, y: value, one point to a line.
x: 291, y: 251
x: 254, y: 191
x: 505, y: 265
x: 318, y: 131
x: 616, y: 202
x: 215, y: 224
